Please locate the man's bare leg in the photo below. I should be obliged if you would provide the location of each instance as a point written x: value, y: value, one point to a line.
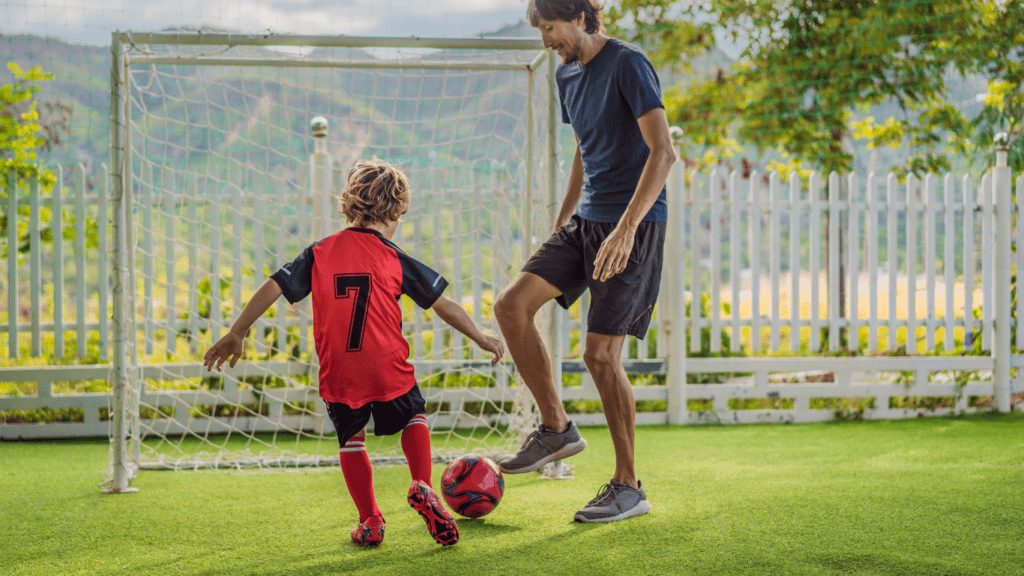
x: 623, y: 497
x: 602, y: 356
x: 557, y: 437
x: 515, y: 310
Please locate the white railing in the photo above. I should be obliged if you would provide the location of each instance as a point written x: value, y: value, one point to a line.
x: 73, y: 273
x: 918, y: 258
x: 726, y: 239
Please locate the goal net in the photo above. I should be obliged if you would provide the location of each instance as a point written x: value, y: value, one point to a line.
x: 224, y: 182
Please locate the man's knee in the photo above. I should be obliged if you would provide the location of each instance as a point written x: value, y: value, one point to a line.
x: 519, y: 302
x: 600, y: 360
x: 508, y: 309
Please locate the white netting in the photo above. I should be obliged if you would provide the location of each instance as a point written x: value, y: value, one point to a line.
x: 224, y: 191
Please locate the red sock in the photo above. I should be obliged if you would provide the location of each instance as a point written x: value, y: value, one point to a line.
x: 355, y: 465
x: 416, y: 446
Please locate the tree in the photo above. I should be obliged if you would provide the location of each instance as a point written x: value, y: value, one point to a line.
x: 19, y: 126
x: 22, y: 133
x: 807, y: 65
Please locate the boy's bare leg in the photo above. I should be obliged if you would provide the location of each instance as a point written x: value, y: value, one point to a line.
x: 515, y: 310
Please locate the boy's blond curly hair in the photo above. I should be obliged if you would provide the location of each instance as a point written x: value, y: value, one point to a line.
x: 375, y: 192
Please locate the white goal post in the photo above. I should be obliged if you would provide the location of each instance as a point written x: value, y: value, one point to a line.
x: 216, y: 182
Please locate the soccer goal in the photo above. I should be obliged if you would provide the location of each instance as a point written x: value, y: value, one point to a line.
x: 227, y: 153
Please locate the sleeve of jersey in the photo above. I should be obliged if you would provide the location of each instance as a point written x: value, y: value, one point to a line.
x: 639, y: 84
x: 561, y: 100
x: 565, y: 111
x: 420, y: 282
x: 296, y: 277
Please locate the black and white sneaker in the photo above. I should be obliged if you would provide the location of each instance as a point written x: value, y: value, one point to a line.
x: 615, y: 501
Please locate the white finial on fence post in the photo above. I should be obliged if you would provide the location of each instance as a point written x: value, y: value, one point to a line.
x: 1003, y: 310
x: 1002, y: 148
x: 320, y: 179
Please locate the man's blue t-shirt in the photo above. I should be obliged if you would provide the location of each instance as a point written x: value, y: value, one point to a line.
x: 602, y: 102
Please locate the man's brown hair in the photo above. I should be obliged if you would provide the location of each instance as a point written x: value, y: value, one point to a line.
x: 567, y: 11
x: 375, y: 192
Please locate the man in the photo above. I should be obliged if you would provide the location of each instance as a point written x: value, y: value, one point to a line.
x: 608, y: 238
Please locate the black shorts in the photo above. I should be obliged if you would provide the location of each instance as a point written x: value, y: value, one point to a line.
x: 624, y: 303
x: 388, y: 417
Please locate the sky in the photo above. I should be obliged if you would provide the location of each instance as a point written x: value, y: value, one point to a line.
x: 92, y: 21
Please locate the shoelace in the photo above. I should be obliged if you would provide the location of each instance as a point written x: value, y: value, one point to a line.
x: 534, y: 437
x: 605, y: 493
x: 529, y: 439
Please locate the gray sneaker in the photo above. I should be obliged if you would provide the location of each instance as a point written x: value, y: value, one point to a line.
x: 544, y: 445
x: 615, y: 501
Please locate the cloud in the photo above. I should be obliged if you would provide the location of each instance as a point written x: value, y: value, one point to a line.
x: 294, y: 16
x: 91, y: 21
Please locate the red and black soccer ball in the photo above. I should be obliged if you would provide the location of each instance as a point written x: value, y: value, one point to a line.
x: 472, y: 485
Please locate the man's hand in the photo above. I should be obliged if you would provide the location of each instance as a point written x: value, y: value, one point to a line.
x: 613, y: 256
x: 228, y: 347
x: 494, y: 345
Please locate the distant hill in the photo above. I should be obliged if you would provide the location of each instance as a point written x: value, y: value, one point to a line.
x: 282, y: 104
x: 81, y: 78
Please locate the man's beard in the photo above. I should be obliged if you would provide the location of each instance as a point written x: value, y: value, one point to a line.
x: 574, y: 55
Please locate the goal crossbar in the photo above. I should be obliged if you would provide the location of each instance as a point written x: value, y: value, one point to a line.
x: 328, y: 63
x: 227, y: 39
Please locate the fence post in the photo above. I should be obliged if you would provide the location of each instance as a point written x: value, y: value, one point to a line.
x: 320, y: 163
x: 676, y: 297
x: 1001, y: 317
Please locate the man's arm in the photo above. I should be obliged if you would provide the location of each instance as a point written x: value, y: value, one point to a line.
x: 230, y: 345
x: 614, y: 253
x: 573, y: 190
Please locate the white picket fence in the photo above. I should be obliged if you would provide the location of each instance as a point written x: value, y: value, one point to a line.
x: 75, y: 275
x: 726, y: 238
x: 939, y: 265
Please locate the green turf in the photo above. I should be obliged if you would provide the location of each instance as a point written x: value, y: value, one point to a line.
x: 928, y: 496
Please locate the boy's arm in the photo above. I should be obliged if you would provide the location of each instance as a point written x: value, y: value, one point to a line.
x: 230, y: 346
x: 456, y: 317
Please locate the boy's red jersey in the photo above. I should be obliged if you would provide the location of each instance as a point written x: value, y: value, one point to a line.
x: 357, y: 278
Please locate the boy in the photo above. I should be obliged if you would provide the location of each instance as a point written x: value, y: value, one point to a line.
x: 356, y: 277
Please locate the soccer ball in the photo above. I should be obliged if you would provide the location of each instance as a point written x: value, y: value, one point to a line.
x: 472, y: 485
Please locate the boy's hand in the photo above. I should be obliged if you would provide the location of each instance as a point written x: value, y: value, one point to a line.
x: 495, y: 346
x: 228, y: 347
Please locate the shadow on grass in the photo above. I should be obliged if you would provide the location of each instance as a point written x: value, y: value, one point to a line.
x: 888, y: 564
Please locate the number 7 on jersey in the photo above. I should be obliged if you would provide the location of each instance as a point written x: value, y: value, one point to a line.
x: 344, y: 286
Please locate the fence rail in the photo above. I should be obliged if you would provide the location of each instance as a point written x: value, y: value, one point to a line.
x: 794, y: 267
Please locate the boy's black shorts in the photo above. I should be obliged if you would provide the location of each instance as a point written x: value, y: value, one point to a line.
x: 624, y: 303
x: 388, y: 417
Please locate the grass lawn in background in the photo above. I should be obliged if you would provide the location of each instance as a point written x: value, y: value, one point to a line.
x: 927, y: 496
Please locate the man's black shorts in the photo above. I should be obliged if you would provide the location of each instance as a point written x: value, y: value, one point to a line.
x: 622, y: 304
x: 388, y: 417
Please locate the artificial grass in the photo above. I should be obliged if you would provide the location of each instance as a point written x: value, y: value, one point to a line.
x: 927, y: 496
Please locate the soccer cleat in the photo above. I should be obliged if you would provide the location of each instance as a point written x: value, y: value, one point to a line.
x: 544, y: 445
x: 439, y: 521
x: 615, y: 501
x: 369, y: 533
